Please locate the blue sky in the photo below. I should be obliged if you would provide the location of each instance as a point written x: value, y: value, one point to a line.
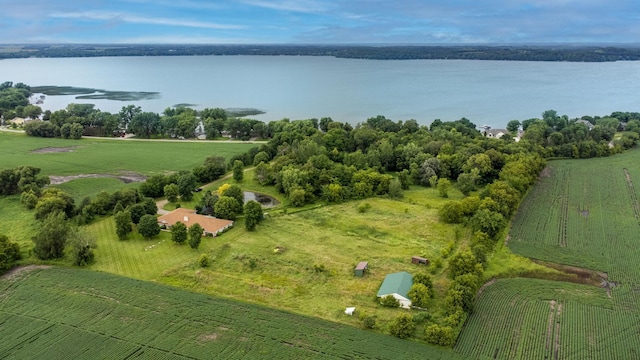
x: 319, y: 21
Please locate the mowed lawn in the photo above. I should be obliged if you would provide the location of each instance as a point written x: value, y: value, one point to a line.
x: 312, y: 273
x: 95, y: 156
x: 103, y: 156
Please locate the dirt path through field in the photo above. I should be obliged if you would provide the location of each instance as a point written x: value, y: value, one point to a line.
x: 19, y: 270
x: 126, y: 178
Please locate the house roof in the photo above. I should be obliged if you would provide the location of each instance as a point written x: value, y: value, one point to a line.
x: 189, y: 217
x: 496, y: 132
x: 397, y: 283
x: 362, y: 265
x: 585, y: 122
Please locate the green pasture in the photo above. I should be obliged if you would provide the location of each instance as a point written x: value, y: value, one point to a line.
x: 110, y: 156
x: 17, y: 222
x: 335, y: 238
x: 94, y: 315
x: 89, y: 187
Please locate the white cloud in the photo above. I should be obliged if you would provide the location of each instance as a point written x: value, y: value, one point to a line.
x: 302, y: 6
x: 128, y: 18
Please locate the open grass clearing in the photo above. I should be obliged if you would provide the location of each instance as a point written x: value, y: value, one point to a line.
x: 332, y: 238
x: 102, y: 156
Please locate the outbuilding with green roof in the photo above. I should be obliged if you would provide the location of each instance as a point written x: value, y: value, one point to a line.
x: 397, y: 285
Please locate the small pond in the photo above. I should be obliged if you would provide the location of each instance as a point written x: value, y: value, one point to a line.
x: 265, y: 200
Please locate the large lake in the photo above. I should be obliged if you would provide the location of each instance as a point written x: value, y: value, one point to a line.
x: 486, y: 92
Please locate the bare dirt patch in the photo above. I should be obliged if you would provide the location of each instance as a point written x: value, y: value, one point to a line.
x: 208, y: 337
x: 488, y: 283
x: 21, y: 270
x: 546, y: 172
x: 126, y: 178
x: 579, y: 275
x: 54, y: 150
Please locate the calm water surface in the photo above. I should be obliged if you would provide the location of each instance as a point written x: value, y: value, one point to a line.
x: 297, y: 87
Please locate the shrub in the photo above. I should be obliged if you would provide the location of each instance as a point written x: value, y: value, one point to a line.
x: 403, y: 326
x: 369, y: 322
x: 364, y: 207
x: 389, y: 301
x: 419, y: 295
x: 9, y: 253
x: 204, y: 261
x: 439, y: 335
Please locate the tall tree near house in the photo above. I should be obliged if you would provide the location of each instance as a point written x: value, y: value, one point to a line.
x: 127, y: 113
x: 123, y: 223
x: 195, y: 235
x: 252, y: 215
x: 148, y: 226
x: 179, y: 233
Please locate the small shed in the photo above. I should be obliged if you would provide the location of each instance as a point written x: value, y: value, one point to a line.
x: 361, y: 268
x: 397, y: 285
x: 419, y: 260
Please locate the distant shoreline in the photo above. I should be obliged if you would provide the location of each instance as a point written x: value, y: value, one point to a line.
x: 566, y: 52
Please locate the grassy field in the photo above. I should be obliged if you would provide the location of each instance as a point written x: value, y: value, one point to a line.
x: 95, y: 156
x: 89, y: 156
x: 93, y: 315
x: 335, y: 238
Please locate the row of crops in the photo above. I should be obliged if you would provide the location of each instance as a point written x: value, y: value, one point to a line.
x: 583, y: 213
x: 593, y: 204
x: 76, y: 314
x: 539, y: 319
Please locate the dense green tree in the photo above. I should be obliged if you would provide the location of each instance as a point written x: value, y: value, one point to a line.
x: 187, y: 183
x: 463, y: 262
x: 148, y: 226
x: 51, y: 237
x: 513, y: 126
x: 127, y: 113
x: 195, y: 235
x: 123, y: 223
x: 451, y: 212
x: 145, y: 124
x: 395, y: 189
x: 238, y: 170
x: 227, y: 208
x: 443, y: 187
x: 179, y: 233
x: 439, y: 335
x: 154, y: 186
x: 212, y: 169
x: 419, y: 295
x: 29, y: 199
x: 233, y: 191
x: 9, y: 253
x: 171, y: 192
x: 467, y: 181
x: 54, y: 200
x: 403, y: 326
x: 424, y: 279
x: 262, y: 156
x: 252, y: 214
x: 487, y: 221
x: 81, y: 242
